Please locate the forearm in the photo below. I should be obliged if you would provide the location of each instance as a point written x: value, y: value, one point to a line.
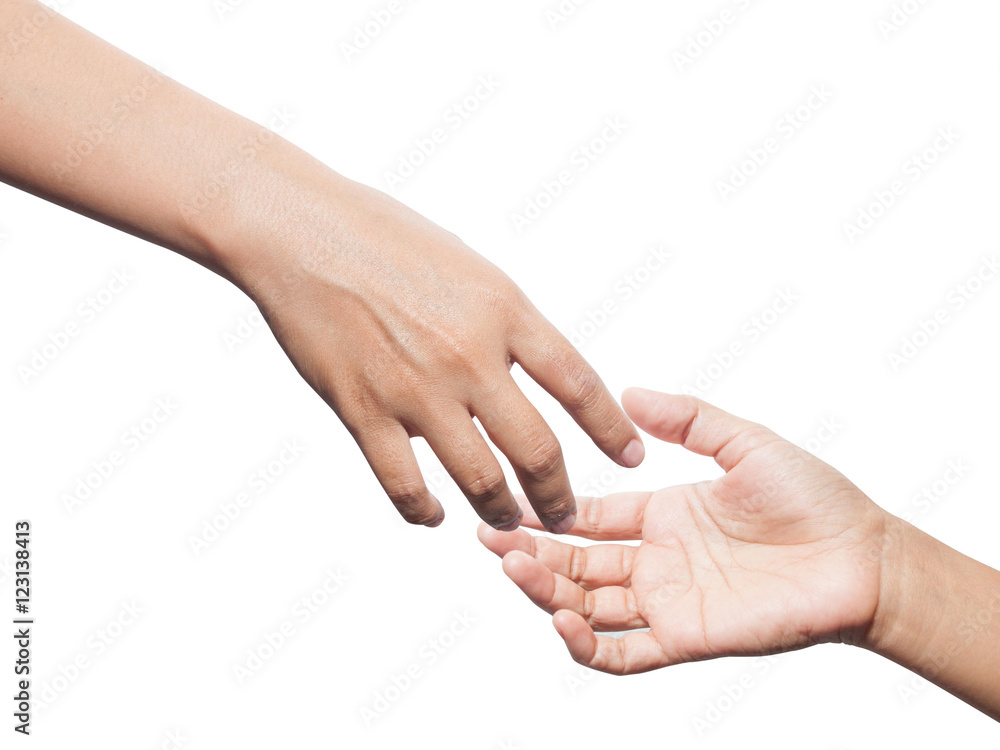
x: 939, y: 615
x: 87, y: 126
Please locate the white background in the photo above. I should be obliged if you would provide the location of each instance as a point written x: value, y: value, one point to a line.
x: 507, y: 681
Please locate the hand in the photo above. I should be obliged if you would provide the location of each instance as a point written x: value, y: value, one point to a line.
x: 407, y: 332
x: 398, y: 325
x: 780, y: 553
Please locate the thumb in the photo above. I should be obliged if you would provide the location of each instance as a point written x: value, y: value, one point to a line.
x: 698, y: 426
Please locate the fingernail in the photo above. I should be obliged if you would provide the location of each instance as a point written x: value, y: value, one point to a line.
x: 435, y: 523
x: 564, y: 525
x: 633, y: 454
x: 512, y: 525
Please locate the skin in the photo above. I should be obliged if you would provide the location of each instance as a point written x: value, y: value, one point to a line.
x: 779, y: 553
x: 405, y: 331
x: 398, y: 325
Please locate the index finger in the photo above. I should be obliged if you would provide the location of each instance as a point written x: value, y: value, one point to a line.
x: 561, y: 370
x: 617, y: 517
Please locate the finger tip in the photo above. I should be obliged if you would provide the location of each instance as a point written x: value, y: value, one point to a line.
x: 576, y: 633
x: 438, y: 517
x: 567, y: 618
x: 514, y: 523
x: 515, y: 563
x: 501, y: 543
x: 511, y: 526
x: 635, y: 398
x: 485, y: 533
x: 561, y: 621
x: 563, y: 525
x: 633, y: 392
x: 633, y: 454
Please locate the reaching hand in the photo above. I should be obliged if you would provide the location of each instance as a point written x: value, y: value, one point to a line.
x: 398, y: 325
x: 407, y: 332
x: 780, y: 553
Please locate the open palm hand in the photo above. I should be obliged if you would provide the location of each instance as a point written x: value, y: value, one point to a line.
x: 780, y: 553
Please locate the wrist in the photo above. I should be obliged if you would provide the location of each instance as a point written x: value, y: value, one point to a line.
x: 910, y: 566
x: 254, y: 220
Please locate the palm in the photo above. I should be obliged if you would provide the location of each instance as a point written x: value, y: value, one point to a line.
x: 778, y: 554
x: 718, y: 573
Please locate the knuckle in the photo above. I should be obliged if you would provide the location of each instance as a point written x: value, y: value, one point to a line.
x: 472, y: 361
x: 503, y: 294
x: 356, y: 410
x: 545, y: 460
x: 589, y: 607
x: 625, y: 663
x: 692, y: 403
x: 593, y: 513
x: 457, y: 345
x: 497, y: 296
x: 584, y: 386
x: 403, y: 380
x: 748, y: 435
x: 404, y: 390
x: 486, y: 487
x: 407, y: 495
x: 577, y: 564
x: 464, y: 351
x: 365, y: 407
